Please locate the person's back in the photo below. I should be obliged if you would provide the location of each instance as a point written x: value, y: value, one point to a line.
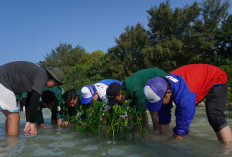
x: 108, y: 81
x: 200, y: 78
x: 102, y: 85
x: 22, y: 76
x: 140, y: 77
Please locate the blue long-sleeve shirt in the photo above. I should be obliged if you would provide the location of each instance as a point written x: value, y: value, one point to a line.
x: 185, y: 102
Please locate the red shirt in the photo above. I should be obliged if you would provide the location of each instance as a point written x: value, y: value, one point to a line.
x: 200, y: 78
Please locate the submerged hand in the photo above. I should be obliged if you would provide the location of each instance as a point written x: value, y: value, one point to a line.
x: 42, y: 125
x: 33, y: 129
x: 27, y: 127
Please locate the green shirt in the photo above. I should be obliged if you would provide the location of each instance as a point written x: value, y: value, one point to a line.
x: 17, y: 96
x: 23, y: 96
x: 135, y: 84
x: 57, y: 110
x: 39, y: 114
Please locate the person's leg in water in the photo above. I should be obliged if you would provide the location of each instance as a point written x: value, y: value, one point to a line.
x: 215, y: 108
x: 22, y: 104
x: 12, y: 123
x: 224, y: 135
x: 155, y: 120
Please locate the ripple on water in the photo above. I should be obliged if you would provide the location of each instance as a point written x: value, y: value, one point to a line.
x: 196, y: 124
x: 202, y: 135
x: 85, y: 140
x: 81, y: 155
x: 92, y: 147
x: 134, y: 155
x: 194, y: 131
x: 45, y: 152
x: 62, y: 144
x: 115, y: 151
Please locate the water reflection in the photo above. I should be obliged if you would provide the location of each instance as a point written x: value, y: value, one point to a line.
x: 51, y: 141
x: 8, y: 143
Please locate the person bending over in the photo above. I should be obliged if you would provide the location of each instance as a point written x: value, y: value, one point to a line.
x: 48, y: 101
x: 186, y: 87
x: 134, y: 86
x: 19, y: 77
x: 96, y: 92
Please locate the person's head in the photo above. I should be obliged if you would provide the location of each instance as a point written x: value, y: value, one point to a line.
x: 55, y: 77
x: 48, y: 99
x: 89, y: 93
x: 114, y: 93
x: 70, y: 97
x: 158, y: 92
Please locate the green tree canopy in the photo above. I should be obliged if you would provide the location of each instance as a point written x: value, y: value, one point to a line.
x: 126, y: 57
x: 224, y: 41
x: 64, y: 56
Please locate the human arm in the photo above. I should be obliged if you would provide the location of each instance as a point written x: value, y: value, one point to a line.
x: 164, y: 118
x: 31, y: 109
x: 57, y: 110
x: 59, y: 122
x: 59, y: 115
x: 185, y: 112
x: 39, y: 116
x: 163, y: 129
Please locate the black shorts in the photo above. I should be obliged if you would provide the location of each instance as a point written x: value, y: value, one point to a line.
x: 53, y: 116
x: 216, y: 105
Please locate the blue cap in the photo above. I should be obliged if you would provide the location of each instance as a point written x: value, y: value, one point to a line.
x: 154, y: 91
x: 87, y: 92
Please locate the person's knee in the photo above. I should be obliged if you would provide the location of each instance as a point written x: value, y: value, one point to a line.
x: 217, y: 122
x: 13, y: 117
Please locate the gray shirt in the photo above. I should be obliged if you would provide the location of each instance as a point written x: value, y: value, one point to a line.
x: 22, y: 76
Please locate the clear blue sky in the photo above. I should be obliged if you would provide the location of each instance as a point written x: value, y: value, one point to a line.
x: 31, y: 28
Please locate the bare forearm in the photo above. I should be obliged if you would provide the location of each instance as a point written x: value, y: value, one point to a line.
x: 163, y: 128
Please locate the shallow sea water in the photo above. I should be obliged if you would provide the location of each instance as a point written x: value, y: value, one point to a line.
x: 52, y: 141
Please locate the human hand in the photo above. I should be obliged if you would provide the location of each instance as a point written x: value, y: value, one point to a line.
x: 65, y: 123
x: 59, y: 122
x: 27, y: 127
x: 42, y: 125
x: 33, y: 129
